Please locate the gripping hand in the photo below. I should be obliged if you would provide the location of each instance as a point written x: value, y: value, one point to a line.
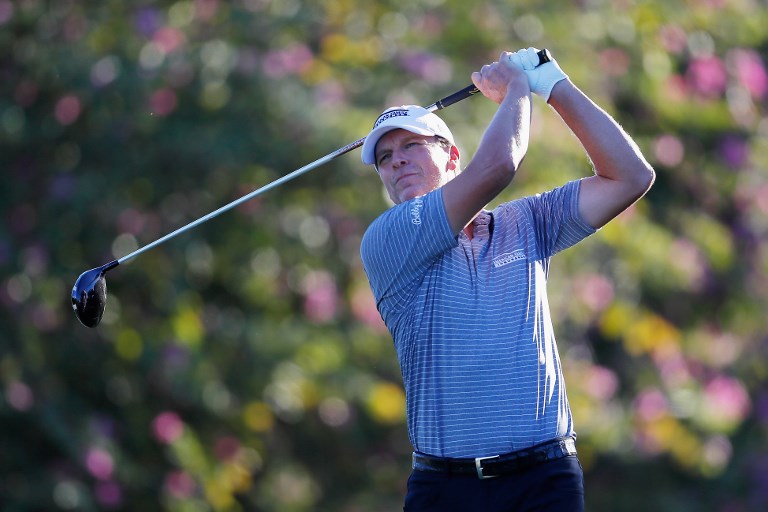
x: 541, y: 78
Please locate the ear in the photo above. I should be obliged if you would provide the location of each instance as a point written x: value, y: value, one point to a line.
x: 455, y: 159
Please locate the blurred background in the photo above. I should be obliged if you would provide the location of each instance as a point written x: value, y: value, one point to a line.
x: 243, y: 366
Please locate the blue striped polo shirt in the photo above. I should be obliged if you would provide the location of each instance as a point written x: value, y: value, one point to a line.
x: 470, y: 320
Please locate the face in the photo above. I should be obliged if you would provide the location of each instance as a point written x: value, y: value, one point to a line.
x: 412, y: 165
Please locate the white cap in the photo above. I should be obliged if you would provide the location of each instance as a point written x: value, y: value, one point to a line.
x: 412, y: 118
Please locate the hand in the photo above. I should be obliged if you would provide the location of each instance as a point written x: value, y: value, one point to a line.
x: 541, y: 78
x: 495, y: 79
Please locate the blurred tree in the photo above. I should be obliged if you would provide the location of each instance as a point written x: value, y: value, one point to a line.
x: 244, y: 366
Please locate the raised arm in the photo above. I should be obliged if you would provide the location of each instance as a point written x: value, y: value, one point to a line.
x: 502, y: 147
x: 622, y: 175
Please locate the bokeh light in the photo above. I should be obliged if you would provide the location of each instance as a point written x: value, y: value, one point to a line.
x: 245, y: 365
x: 167, y: 427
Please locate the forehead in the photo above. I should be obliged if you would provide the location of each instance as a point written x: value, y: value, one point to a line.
x: 392, y: 138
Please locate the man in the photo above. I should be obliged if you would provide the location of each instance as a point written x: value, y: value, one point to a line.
x: 463, y: 290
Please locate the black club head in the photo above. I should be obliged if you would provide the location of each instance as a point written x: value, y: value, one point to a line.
x: 89, y: 295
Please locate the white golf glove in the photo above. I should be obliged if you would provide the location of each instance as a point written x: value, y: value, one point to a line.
x: 541, y: 78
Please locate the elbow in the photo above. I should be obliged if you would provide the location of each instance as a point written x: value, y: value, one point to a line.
x: 508, y: 167
x: 646, y: 178
x: 498, y: 177
x: 640, y: 178
x: 505, y: 171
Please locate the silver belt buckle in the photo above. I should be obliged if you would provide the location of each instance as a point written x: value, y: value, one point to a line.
x: 479, y: 467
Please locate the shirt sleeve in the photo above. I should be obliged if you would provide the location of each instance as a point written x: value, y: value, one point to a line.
x: 555, y: 218
x: 399, y: 247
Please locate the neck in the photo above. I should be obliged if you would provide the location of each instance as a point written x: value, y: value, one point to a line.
x: 469, y: 229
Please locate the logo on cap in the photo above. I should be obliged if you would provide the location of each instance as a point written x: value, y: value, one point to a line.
x: 389, y: 115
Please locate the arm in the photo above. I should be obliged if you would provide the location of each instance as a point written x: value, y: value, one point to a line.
x: 502, y: 148
x: 622, y: 175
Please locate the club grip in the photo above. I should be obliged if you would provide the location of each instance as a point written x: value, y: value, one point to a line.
x: 544, y: 57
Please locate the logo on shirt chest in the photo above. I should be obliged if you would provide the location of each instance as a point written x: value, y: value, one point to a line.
x: 508, y: 257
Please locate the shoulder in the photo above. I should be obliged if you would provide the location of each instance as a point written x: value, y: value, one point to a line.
x: 418, y: 214
x: 563, y: 197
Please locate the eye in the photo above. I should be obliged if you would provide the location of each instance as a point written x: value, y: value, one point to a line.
x: 384, y: 158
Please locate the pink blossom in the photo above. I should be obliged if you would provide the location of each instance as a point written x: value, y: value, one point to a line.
x: 206, y: 9
x: 179, y: 484
x: 760, y: 197
x: 676, y: 88
x: 750, y: 71
x: 6, y: 11
x: 728, y: 397
x: 169, y: 39
x: 163, y: 102
x: 673, y: 38
x: 364, y: 308
x: 431, y: 68
x: 99, y: 463
x: 651, y: 404
x: 329, y: 93
x: 19, y: 396
x: 109, y: 494
x: 669, y: 150
x: 294, y: 60
x: 226, y: 448
x: 707, y: 76
x: 614, y: 61
x: 594, y: 290
x: 321, y: 297
x: 131, y: 221
x: 167, y: 427
x: 68, y: 109
x: 601, y: 383
x: 673, y: 367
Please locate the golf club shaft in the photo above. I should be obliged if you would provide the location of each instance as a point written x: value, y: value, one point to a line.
x: 269, y: 186
x: 438, y: 105
x: 471, y: 90
x: 298, y: 172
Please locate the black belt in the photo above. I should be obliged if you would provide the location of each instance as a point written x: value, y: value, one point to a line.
x: 496, y: 465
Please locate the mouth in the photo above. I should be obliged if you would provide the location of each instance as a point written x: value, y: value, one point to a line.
x: 403, y: 177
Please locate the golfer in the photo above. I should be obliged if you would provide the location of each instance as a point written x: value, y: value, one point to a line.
x: 463, y: 291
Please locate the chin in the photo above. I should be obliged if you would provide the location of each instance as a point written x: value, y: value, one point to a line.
x: 409, y: 194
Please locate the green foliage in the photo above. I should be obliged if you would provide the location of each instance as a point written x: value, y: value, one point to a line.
x: 243, y: 366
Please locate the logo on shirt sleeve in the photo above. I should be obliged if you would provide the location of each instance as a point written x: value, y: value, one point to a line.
x: 415, y: 208
x: 508, y: 257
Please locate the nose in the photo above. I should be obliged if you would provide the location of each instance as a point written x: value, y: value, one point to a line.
x: 398, y: 159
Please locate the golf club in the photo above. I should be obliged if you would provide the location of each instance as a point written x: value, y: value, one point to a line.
x: 89, y: 294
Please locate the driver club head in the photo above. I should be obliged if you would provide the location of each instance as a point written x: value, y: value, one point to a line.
x: 89, y: 295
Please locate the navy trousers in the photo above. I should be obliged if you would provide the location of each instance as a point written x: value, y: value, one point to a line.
x: 553, y: 486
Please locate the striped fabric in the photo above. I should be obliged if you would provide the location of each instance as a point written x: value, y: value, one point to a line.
x: 470, y: 320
